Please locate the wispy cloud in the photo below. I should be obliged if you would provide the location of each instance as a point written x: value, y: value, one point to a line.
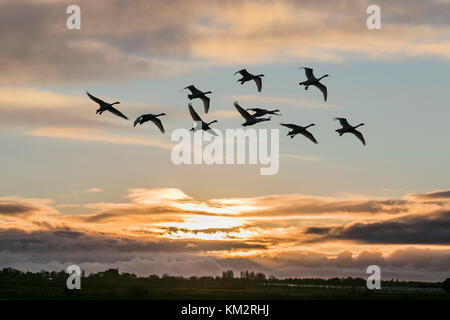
x: 95, y: 136
x: 93, y: 190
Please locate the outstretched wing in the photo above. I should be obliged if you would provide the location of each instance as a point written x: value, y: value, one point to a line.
x: 290, y: 126
x: 323, y: 89
x: 158, y: 124
x: 309, y: 73
x: 206, y: 101
x: 243, y: 112
x: 193, y: 89
x: 99, y: 101
x: 309, y: 135
x: 258, y: 81
x: 194, y: 114
x: 343, y: 122
x: 359, y: 136
x: 243, y: 73
x: 116, y: 112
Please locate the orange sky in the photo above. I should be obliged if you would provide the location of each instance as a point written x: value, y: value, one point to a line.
x: 280, y: 233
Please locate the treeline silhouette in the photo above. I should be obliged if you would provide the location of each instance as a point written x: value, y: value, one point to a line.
x: 112, y: 283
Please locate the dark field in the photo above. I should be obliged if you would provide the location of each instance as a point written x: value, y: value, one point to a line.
x: 112, y: 285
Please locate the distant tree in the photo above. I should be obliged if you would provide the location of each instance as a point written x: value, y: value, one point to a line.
x: 153, y: 277
x: 261, y: 277
x: 446, y: 285
x: 228, y: 274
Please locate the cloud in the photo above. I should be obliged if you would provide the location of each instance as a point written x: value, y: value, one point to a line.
x: 72, y: 117
x: 66, y: 245
x: 22, y: 207
x: 435, y: 195
x: 14, y: 209
x: 95, y: 136
x: 156, y: 39
x: 420, y: 229
x: 50, y: 109
x: 93, y: 190
x: 56, y: 250
x: 42, y: 50
x: 285, y: 235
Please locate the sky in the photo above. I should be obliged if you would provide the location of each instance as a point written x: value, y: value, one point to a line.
x: 77, y: 187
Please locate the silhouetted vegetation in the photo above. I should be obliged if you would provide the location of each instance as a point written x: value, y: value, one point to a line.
x: 111, y: 284
x: 446, y: 285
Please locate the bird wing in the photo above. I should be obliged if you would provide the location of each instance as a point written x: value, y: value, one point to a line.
x: 138, y: 119
x: 258, y: 83
x: 243, y: 112
x: 290, y: 126
x: 158, y: 124
x: 117, y: 112
x: 193, y: 89
x: 99, y: 101
x: 194, y: 114
x: 206, y: 101
x: 243, y: 72
x: 343, y: 122
x: 309, y: 135
x: 309, y: 73
x: 359, y: 136
x: 322, y: 88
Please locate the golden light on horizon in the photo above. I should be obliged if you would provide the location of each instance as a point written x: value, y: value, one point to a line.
x: 207, y: 228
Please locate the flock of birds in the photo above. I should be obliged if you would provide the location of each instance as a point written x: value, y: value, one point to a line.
x: 250, y: 119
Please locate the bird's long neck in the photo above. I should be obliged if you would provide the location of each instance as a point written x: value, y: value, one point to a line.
x: 211, y: 122
x: 260, y: 75
x: 309, y: 126
x: 359, y: 125
x: 322, y: 77
x: 117, y: 102
x: 208, y: 92
x: 158, y: 115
